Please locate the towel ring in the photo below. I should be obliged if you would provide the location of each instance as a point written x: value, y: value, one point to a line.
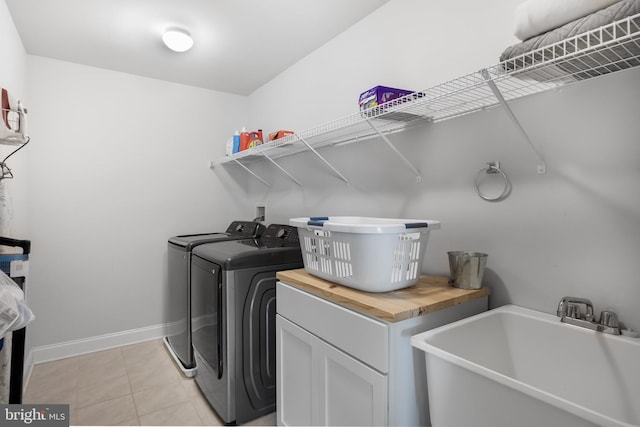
x: 492, y: 168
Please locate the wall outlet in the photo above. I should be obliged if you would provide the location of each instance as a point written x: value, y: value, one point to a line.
x: 260, y: 213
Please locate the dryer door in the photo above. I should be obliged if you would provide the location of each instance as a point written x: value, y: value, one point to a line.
x: 206, y: 313
x: 177, y: 309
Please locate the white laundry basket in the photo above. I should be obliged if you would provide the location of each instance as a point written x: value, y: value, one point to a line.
x: 370, y: 254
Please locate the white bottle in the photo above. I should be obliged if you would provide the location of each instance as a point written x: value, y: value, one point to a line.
x: 229, y: 147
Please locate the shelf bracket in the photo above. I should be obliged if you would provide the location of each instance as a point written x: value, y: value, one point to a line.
x: 252, y: 173
x: 395, y: 150
x: 325, y: 161
x: 542, y: 166
x: 291, y: 177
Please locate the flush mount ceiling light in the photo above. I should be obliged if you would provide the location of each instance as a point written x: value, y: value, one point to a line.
x: 177, y: 40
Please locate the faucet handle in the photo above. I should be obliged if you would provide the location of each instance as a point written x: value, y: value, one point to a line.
x: 573, y: 311
x: 609, y: 319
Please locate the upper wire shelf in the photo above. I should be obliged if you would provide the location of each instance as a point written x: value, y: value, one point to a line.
x: 610, y: 48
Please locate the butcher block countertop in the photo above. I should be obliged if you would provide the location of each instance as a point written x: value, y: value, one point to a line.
x: 431, y: 293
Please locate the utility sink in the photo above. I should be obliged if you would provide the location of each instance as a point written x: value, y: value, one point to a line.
x: 512, y: 366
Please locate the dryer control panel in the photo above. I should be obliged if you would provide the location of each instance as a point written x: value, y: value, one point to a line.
x: 245, y: 228
x: 284, y: 234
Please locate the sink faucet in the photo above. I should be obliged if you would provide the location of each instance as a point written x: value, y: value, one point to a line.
x: 569, y: 307
x: 569, y: 312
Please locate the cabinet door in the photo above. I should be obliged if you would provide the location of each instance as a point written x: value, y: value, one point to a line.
x: 351, y: 393
x: 297, y: 362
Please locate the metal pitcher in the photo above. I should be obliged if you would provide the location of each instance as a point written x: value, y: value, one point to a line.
x: 466, y: 269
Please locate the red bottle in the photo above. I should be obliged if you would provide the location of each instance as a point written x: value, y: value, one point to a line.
x: 245, y: 139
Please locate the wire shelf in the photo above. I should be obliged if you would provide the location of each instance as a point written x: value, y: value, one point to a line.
x: 610, y: 48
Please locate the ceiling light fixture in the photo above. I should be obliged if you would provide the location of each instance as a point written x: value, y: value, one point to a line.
x: 177, y: 40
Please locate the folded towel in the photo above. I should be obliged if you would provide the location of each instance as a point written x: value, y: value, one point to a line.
x: 534, y: 17
x: 622, y: 55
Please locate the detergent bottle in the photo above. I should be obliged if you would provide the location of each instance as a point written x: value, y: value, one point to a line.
x: 236, y: 142
x: 229, y: 147
x: 244, y: 139
x: 255, y: 138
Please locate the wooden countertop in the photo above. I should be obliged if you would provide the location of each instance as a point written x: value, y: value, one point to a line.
x: 431, y: 293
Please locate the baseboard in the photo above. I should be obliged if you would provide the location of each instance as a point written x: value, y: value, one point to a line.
x: 48, y: 353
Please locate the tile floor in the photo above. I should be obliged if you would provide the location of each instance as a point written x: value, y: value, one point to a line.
x: 131, y: 385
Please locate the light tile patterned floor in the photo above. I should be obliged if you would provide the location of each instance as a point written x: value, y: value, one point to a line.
x: 132, y: 385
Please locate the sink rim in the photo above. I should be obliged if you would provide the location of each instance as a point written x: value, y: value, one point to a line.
x: 420, y: 341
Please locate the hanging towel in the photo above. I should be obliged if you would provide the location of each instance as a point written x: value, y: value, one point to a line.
x: 534, y: 17
x: 14, y: 313
x: 5, y: 108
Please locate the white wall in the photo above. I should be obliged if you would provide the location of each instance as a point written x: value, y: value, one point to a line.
x: 119, y: 164
x: 412, y: 44
x: 573, y: 231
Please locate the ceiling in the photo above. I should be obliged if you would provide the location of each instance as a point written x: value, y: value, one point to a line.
x: 239, y: 44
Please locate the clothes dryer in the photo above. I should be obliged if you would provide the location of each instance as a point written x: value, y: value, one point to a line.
x: 178, y: 338
x: 233, y: 316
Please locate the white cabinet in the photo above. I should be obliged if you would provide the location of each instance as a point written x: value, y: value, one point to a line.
x: 297, y: 366
x: 339, y: 367
x: 350, y: 393
x: 320, y: 385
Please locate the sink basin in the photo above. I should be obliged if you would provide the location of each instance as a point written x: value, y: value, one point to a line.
x: 517, y: 367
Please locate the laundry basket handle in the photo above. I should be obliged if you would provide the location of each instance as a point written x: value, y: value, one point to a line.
x: 416, y: 225
x: 317, y: 221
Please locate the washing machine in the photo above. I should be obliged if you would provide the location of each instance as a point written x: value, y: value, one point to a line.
x: 233, y: 315
x: 178, y: 309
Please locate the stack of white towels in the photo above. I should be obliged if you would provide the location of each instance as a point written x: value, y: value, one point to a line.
x: 535, y: 17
